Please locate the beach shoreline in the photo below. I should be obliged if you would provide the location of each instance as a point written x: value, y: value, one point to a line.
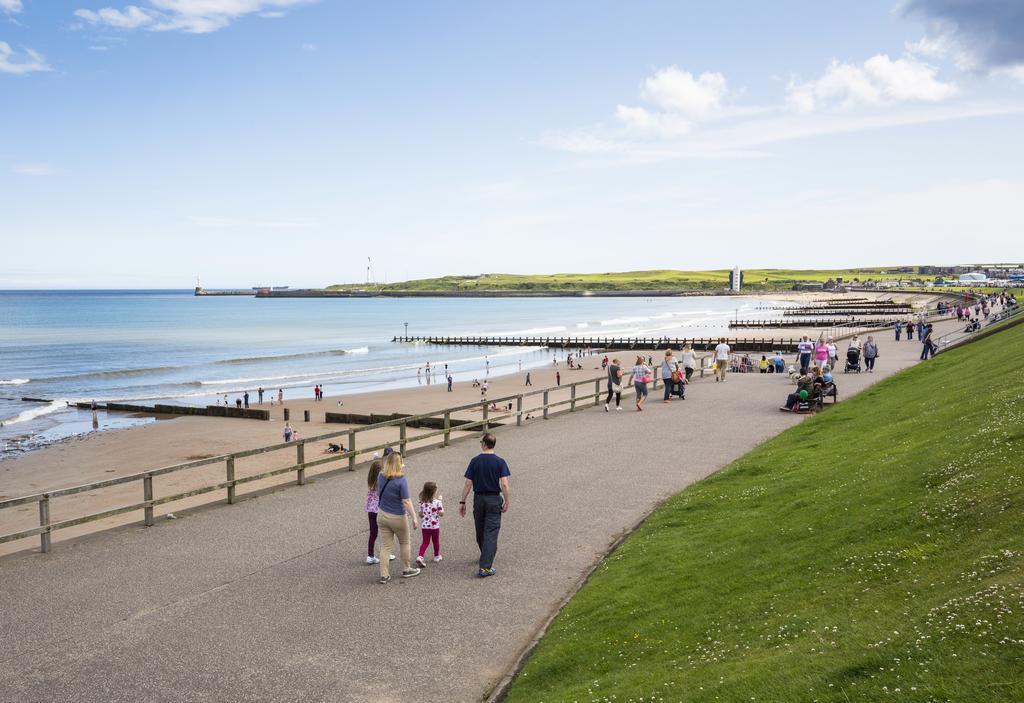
x: 97, y: 456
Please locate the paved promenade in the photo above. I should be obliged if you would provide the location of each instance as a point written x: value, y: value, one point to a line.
x: 268, y: 600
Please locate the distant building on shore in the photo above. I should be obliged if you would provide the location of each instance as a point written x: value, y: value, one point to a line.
x: 735, y: 279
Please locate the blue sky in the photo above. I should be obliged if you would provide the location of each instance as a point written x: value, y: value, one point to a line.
x: 254, y: 141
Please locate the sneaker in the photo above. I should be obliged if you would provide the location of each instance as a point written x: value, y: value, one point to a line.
x: 484, y: 573
x: 409, y: 573
x: 606, y: 407
x: 391, y: 558
x: 617, y: 407
x: 420, y: 562
x: 372, y: 560
x: 383, y: 579
x: 437, y: 558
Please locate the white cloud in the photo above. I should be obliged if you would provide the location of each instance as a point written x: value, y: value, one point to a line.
x: 879, y: 81
x: 10, y: 5
x: 642, y: 120
x: 676, y: 90
x: 193, y: 16
x: 34, y: 169
x: 309, y: 47
x: 32, y: 62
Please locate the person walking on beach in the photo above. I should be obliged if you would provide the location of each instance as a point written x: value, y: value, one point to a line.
x: 669, y: 372
x: 451, y: 380
x: 487, y: 476
x: 394, y: 504
x: 431, y: 509
x: 280, y: 396
x: 245, y: 398
x: 722, y: 359
x: 640, y: 377
x: 528, y: 381
x: 614, y: 385
x: 260, y: 394
x: 870, y: 354
x: 558, y: 378
x: 288, y: 432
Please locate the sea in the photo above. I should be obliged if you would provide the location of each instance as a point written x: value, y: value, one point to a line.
x: 149, y: 346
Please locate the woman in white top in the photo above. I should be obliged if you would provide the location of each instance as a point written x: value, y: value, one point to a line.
x: 640, y: 376
x: 688, y: 360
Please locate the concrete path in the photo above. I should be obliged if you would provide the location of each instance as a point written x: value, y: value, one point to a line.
x: 268, y: 600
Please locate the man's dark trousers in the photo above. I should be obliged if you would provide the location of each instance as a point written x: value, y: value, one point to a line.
x: 487, y: 518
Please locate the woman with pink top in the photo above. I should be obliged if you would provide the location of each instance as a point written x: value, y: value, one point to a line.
x: 821, y: 353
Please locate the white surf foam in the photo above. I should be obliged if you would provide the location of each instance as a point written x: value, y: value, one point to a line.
x: 13, y: 381
x: 33, y: 413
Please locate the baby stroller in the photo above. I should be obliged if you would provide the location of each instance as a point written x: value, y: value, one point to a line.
x: 852, y: 360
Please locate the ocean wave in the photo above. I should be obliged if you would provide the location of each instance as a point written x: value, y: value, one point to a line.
x: 127, y: 373
x: 295, y: 355
x: 33, y: 413
x: 13, y: 381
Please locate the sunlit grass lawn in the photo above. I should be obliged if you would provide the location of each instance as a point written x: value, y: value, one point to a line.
x: 872, y: 553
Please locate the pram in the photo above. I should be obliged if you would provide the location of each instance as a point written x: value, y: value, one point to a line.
x: 852, y: 360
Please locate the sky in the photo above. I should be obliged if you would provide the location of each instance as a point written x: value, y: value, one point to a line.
x: 285, y: 142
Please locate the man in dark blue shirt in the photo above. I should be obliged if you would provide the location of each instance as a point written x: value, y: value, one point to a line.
x: 487, y: 476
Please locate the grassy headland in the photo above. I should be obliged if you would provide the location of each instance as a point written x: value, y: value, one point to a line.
x: 754, y: 279
x: 872, y: 553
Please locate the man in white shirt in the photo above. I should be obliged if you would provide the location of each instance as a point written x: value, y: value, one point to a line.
x: 804, y: 350
x: 721, y: 360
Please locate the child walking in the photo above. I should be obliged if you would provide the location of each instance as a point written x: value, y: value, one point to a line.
x: 372, y: 504
x: 431, y: 509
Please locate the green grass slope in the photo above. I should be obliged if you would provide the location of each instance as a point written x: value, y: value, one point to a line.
x: 754, y: 279
x: 873, y: 553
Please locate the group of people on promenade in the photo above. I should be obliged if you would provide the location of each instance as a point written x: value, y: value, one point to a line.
x: 390, y: 510
x: 675, y: 375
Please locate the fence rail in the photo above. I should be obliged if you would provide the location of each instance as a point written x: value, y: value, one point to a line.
x: 595, y: 388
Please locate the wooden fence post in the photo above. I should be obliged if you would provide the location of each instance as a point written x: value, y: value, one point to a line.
x: 147, y: 495
x: 545, y: 404
x: 447, y: 428
x: 231, y: 480
x: 352, y: 450
x: 597, y: 391
x: 44, y: 521
x: 401, y: 438
x: 300, y: 459
x: 487, y: 424
x: 572, y: 398
x: 519, y: 410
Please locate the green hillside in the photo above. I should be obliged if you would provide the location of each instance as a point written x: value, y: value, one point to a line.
x: 873, y: 553
x: 755, y: 279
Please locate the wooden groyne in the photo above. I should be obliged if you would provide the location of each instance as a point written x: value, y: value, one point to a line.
x: 809, y: 322
x: 161, y: 409
x: 848, y: 312
x: 610, y: 343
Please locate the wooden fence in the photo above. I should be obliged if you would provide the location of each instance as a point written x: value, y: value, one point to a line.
x: 594, y: 390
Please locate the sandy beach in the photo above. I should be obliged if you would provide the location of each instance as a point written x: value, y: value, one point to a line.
x: 104, y: 455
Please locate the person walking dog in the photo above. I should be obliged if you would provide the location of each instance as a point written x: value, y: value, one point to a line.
x: 487, y: 476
